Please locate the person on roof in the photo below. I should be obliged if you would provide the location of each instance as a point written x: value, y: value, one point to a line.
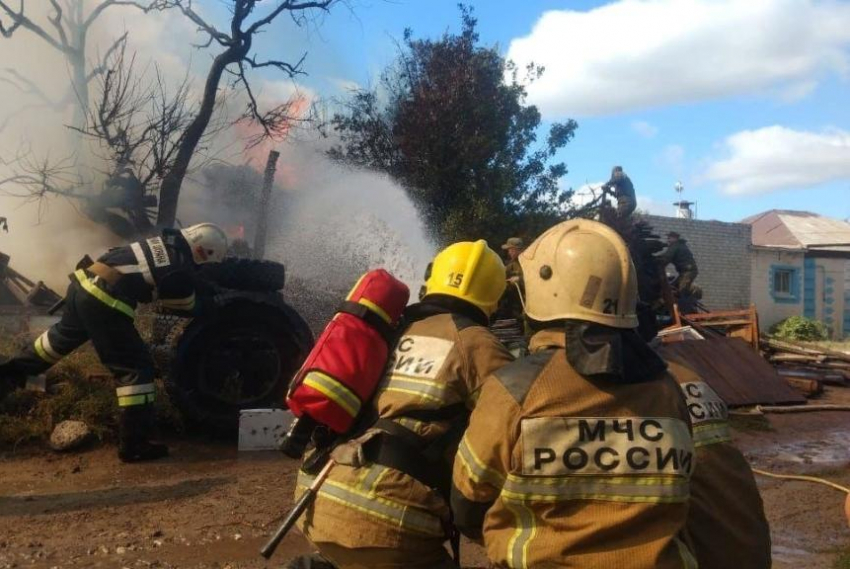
x: 621, y: 187
x: 679, y: 255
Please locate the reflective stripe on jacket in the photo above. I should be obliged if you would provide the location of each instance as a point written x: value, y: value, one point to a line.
x: 90, y: 285
x: 156, y: 268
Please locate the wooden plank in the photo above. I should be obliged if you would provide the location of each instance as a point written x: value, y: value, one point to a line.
x: 808, y: 387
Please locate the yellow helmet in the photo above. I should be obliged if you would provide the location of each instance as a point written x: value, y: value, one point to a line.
x: 469, y: 271
x: 580, y: 270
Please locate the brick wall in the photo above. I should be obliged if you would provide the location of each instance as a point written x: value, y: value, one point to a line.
x: 723, y: 255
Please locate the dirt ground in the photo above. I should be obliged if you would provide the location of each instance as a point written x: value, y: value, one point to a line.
x: 208, y: 506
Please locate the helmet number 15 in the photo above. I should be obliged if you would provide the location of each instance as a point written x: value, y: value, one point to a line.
x: 454, y: 280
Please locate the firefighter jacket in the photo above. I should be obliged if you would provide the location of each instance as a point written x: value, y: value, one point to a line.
x: 563, y: 470
x: 726, y: 523
x: 513, y: 269
x: 438, y: 363
x: 679, y: 254
x: 157, y: 268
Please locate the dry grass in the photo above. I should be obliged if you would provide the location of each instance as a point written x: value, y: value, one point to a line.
x: 84, y: 391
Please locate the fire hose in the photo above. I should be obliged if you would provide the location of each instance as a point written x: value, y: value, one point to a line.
x: 519, y: 292
x: 814, y: 479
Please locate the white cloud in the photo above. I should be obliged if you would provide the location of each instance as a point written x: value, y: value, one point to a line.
x: 775, y: 157
x: 586, y: 193
x: 644, y: 129
x: 635, y: 54
x: 654, y: 207
x: 672, y: 158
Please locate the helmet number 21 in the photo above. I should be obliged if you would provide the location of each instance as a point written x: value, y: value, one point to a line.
x: 609, y: 306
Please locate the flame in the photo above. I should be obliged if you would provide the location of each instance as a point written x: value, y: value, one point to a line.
x: 256, y: 155
x: 235, y: 231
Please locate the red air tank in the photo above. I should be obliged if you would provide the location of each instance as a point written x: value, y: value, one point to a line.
x: 348, y: 360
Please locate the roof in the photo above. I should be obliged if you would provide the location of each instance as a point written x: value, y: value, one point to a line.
x: 800, y: 230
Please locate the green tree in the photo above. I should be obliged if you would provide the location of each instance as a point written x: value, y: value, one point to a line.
x: 446, y: 124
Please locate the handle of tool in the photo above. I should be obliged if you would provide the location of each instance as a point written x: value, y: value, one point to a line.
x: 303, y: 503
x: 53, y: 309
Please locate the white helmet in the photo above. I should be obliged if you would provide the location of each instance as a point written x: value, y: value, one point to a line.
x: 207, y: 241
x: 580, y: 270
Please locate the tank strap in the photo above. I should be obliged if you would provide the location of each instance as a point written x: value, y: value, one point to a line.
x: 399, y: 451
x: 387, y: 332
x: 110, y: 275
x: 402, y: 449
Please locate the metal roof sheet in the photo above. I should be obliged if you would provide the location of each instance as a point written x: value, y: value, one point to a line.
x: 738, y: 374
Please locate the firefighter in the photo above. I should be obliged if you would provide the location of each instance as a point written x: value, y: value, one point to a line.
x: 726, y: 528
x: 100, y: 306
x: 392, y: 510
x: 510, y: 306
x: 621, y: 187
x: 679, y: 255
x: 580, y: 454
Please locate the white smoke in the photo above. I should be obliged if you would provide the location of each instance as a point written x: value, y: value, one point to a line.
x: 47, y: 237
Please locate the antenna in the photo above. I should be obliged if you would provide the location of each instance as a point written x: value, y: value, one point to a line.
x: 683, y: 210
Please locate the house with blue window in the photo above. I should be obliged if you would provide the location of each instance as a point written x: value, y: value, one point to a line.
x: 801, y: 267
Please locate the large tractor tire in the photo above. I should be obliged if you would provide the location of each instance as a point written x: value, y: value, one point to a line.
x: 245, y: 274
x: 242, y: 356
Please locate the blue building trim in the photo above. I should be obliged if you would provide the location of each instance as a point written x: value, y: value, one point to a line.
x: 846, y: 327
x: 809, y: 279
x: 796, y: 284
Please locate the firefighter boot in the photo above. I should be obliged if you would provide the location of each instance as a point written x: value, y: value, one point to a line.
x: 133, y: 429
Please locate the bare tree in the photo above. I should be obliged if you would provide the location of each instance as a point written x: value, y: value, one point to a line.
x: 235, y: 58
x: 33, y: 179
x: 136, y: 125
x: 66, y: 30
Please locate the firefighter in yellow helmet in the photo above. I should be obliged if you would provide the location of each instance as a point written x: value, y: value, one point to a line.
x: 100, y: 306
x: 392, y: 509
x: 580, y: 454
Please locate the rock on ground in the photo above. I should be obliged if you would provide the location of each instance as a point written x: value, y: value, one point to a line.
x: 69, y: 435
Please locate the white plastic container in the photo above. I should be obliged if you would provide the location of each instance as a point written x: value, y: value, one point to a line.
x: 262, y: 429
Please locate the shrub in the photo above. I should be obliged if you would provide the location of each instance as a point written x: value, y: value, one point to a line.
x: 800, y: 328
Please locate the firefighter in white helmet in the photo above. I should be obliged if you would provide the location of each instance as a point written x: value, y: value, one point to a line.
x: 100, y: 306
x: 580, y: 454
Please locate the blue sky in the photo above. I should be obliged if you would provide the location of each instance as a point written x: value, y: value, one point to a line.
x: 744, y: 101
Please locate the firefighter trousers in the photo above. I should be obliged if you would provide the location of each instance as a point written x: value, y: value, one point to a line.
x: 685, y: 281
x: 92, y: 313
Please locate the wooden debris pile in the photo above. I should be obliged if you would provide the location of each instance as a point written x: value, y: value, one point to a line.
x: 805, y: 367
